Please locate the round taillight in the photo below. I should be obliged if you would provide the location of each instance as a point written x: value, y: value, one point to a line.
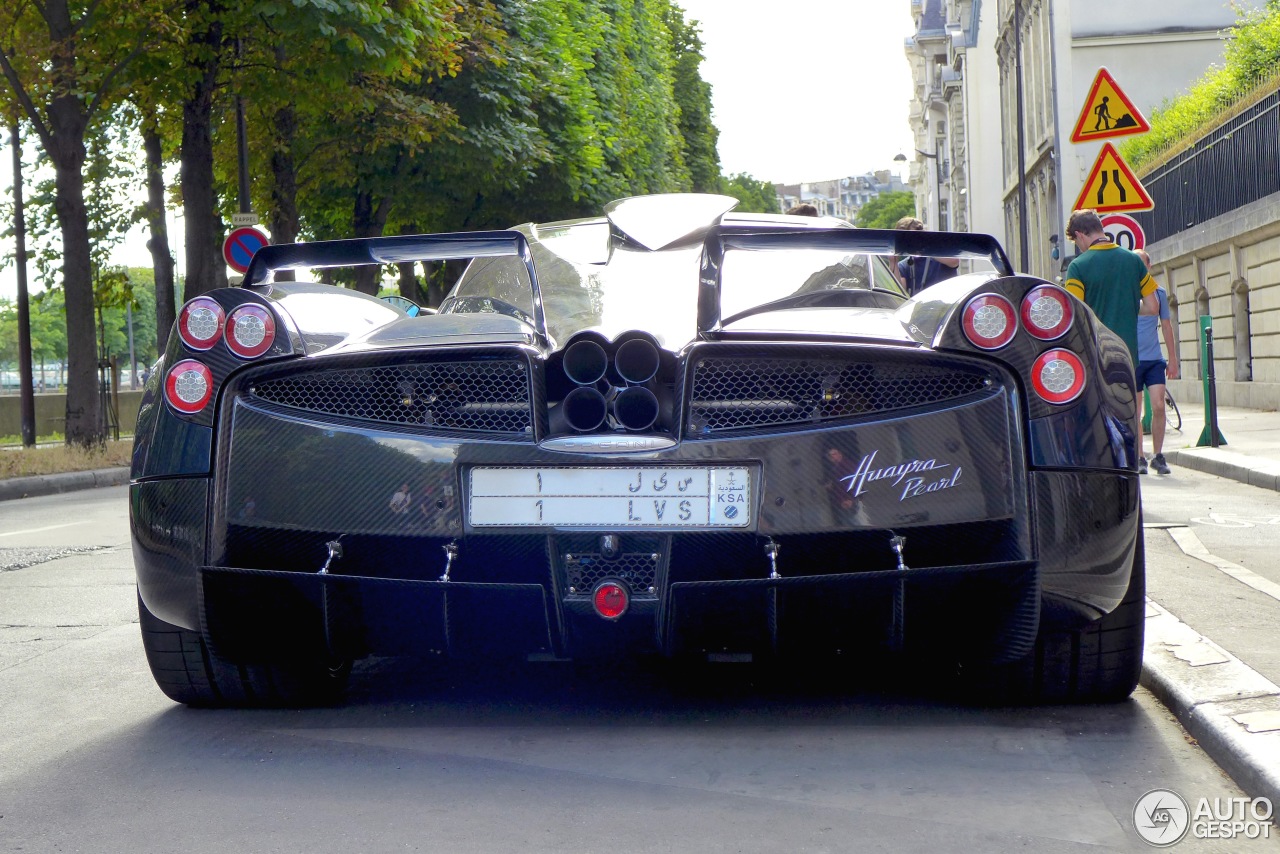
x: 250, y: 331
x: 188, y: 386
x: 200, y: 323
x: 1058, y: 376
x: 989, y: 321
x: 610, y: 599
x: 1047, y: 312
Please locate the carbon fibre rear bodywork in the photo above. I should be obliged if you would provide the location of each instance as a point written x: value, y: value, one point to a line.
x: 902, y: 490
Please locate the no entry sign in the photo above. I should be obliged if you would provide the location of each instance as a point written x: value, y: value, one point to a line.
x: 240, y: 245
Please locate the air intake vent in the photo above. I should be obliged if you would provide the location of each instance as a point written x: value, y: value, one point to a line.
x: 745, y: 393
x: 479, y: 395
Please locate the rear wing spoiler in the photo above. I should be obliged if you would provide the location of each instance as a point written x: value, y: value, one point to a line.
x: 872, y: 241
x: 399, y: 250
x: 718, y: 239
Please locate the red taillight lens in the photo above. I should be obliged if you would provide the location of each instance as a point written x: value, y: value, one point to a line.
x: 610, y: 599
x: 1047, y: 312
x: 250, y: 331
x: 200, y: 323
x: 1058, y: 376
x: 188, y: 386
x: 989, y: 321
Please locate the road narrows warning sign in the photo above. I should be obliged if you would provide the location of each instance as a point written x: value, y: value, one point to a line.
x: 1112, y: 186
x: 1107, y: 112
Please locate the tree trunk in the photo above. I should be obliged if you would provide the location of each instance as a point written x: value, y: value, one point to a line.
x: 84, y: 426
x: 284, y: 174
x: 158, y: 243
x: 65, y: 146
x: 410, y: 288
x: 199, y: 202
x: 369, y: 221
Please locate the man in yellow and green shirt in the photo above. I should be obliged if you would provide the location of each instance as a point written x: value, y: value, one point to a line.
x: 1110, y: 279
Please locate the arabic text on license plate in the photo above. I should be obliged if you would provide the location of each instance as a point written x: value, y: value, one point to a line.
x: 649, y: 497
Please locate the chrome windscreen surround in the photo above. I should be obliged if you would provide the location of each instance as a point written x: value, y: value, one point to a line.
x: 733, y: 390
x: 479, y: 393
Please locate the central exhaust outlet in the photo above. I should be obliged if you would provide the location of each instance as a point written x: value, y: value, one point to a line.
x: 635, y: 408
x: 637, y: 360
x: 585, y: 362
x: 584, y: 409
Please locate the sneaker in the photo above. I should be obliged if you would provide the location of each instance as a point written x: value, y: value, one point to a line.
x: 1158, y: 463
x: 1142, y: 465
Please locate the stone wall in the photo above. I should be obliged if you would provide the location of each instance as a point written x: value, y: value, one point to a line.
x: 1228, y: 268
x: 51, y: 413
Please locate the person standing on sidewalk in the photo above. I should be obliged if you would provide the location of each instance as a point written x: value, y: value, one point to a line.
x: 1112, y: 281
x: 1153, y: 370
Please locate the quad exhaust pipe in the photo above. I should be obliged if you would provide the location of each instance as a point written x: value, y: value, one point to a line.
x: 628, y: 402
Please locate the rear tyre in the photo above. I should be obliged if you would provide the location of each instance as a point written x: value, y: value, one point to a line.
x: 187, y: 671
x: 1100, y: 663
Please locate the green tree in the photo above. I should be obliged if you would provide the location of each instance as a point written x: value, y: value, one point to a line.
x: 62, y: 59
x: 886, y: 209
x: 693, y: 97
x: 753, y: 196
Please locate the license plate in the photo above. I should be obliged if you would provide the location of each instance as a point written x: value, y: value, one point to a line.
x: 641, y: 497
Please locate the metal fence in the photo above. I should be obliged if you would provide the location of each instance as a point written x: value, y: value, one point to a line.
x: 1235, y: 164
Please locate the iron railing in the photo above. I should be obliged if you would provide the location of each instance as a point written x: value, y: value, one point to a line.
x: 1229, y: 167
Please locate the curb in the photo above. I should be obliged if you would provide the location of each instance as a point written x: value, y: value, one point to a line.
x: 1231, y: 710
x: 1255, y: 471
x: 52, y: 484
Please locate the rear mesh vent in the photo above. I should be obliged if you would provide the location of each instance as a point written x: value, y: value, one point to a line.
x: 481, y: 395
x: 743, y: 393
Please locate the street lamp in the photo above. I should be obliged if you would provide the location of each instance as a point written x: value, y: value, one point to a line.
x: 937, y: 189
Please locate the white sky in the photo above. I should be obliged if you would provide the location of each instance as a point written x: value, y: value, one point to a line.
x: 802, y: 90
x: 807, y: 90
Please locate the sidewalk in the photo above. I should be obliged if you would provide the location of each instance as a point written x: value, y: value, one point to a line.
x: 1231, y: 710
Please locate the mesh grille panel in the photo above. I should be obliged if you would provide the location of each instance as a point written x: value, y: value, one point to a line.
x: 584, y: 571
x: 488, y: 396
x: 741, y: 393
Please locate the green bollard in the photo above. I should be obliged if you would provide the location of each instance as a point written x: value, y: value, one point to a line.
x: 1146, y: 412
x: 1210, y: 436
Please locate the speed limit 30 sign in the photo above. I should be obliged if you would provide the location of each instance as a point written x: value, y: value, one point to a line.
x: 1124, y: 231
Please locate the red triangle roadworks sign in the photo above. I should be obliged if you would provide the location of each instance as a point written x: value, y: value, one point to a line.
x: 1112, y: 186
x: 1107, y: 112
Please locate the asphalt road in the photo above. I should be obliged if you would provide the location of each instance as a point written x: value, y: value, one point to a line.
x: 531, y: 757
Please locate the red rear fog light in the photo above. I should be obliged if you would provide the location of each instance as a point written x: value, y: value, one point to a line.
x: 610, y: 599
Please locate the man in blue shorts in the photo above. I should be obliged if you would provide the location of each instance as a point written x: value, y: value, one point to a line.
x: 1152, y: 370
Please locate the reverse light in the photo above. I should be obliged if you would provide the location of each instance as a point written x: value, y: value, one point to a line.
x: 250, y: 331
x: 989, y: 321
x: 1058, y: 376
x: 200, y: 323
x: 1047, y: 312
x: 610, y: 599
x: 188, y: 386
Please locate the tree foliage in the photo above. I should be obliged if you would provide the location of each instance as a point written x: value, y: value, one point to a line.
x: 886, y: 209
x: 1251, y: 62
x: 753, y: 196
x: 363, y: 118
